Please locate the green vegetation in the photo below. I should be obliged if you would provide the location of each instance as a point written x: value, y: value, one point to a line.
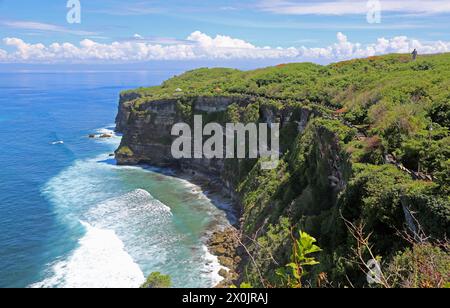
x: 125, y: 151
x: 244, y: 285
x: 361, y: 113
x: 292, y: 275
x: 422, y: 266
x: 402, y: 106
x: 157, y: 281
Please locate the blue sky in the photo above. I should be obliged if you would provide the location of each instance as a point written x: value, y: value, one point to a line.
x: 304, y: 25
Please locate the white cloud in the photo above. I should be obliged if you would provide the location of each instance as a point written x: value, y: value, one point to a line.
x: 39, y: 26
x: 344, y: 7
x: 201, y: 46
x: 3, y: 55
x: 154, y: 40
x: 26, y: 51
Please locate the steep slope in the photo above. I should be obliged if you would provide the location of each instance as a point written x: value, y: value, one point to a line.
x: 364, y: 140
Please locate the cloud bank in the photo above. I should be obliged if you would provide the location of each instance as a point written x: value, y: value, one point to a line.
x: 199, y: 46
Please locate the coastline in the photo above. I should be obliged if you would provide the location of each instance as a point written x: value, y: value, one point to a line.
x: 107, y: 210
x: 221, y: 241
x: 224, y: 244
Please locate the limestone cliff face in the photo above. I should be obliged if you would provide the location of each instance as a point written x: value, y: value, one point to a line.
x: 146, y: 132
x: 146, y: 129
x: 125, y: 108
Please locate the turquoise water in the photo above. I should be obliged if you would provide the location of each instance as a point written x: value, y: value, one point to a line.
x: 69, y: 217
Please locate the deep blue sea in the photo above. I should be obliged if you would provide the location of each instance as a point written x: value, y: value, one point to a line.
x: 69, y: 217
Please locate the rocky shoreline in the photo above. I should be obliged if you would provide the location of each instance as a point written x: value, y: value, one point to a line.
x: 222, y: 241
x: 224, y: 244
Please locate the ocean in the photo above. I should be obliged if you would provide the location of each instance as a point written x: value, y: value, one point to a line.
x: 69, y: 217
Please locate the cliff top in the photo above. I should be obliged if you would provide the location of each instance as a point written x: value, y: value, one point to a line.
x: 337, y: 85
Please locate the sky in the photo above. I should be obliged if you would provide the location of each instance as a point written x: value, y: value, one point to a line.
x: 261, y: 31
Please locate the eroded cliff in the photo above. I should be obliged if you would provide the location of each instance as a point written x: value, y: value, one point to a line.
x: 332, y: 165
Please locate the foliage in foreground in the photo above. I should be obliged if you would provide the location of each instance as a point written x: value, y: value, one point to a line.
x: 157, y: 280
x: 291, y: 276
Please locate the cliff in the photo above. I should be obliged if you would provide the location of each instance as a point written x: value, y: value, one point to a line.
x: 147, y: 138
x: 339, y: 124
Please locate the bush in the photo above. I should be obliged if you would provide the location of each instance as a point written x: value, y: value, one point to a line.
x: 125, y: 151
x: 440, y: 112
x: 157, y: 281
x: 423, y: 266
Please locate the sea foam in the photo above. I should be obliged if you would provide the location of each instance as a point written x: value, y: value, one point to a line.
x: 128, y: 232
x: 100, y: 261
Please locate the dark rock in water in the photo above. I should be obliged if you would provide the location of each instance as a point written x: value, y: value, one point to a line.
x: 106, y: 136
x: 111, y: 155
x: 92, y: 136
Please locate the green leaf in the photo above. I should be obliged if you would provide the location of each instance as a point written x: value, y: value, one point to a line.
x: 292, y: 265
x: 303, y: 247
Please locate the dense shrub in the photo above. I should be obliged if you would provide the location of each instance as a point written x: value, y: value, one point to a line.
x: 422, y: 266
x: 157, y: 281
